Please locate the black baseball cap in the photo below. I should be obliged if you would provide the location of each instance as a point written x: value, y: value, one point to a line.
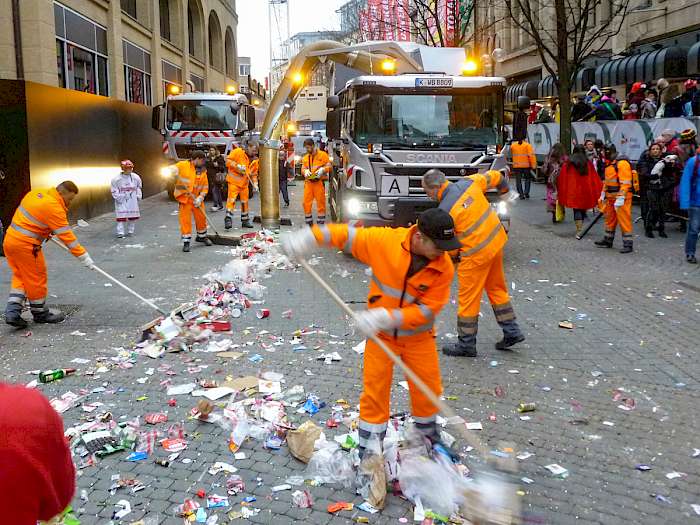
x: 438, y: 226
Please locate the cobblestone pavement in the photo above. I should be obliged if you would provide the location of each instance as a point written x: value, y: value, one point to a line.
x: 635, y: 328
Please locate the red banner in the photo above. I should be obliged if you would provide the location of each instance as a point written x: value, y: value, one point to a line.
x: 385, y: 20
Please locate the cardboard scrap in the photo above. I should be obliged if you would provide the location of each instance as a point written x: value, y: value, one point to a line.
x: 230, y: 355
x: 241, y: 384
x: 373, y: 467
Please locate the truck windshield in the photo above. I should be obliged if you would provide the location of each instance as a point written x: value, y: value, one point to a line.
x: 454, y: 120
x: 200, y: 115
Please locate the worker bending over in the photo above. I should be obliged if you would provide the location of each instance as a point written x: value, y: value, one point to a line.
x: 411, y: 276
x: 191, y: 188
x: 239, y: 174
x: 41, y: 214
x: 480, y: 254
x: 315, y: 166
x: 617, y: 200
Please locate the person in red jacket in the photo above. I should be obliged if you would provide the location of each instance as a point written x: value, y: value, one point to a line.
x: 37, y: 476
x: 578, y: 185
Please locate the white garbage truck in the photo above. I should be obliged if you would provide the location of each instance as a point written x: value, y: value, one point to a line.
x: 192, y: 121
x: 388, y: 130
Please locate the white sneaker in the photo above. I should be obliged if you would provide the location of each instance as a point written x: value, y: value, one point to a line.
x: 215, y: 208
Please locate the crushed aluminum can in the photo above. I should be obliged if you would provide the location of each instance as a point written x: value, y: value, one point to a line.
x: 155, y: 418
x: 263, y: 313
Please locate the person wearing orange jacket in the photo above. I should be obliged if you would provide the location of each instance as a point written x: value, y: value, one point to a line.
x: 410, y: 284
x: 191, y: 187
x: 315, y: 167
x: 40, y: 215
x: 238, y: 164
x: 616, y: 198
x: 523, y: 164
x: 480, y: 255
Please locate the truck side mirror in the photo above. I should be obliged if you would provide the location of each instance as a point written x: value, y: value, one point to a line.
x: 333, y: 125
x: 332, y: 102
x: 155, y: 118
x: 250, y: 117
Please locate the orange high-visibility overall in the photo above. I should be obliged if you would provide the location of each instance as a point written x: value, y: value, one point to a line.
x: 481, y: 256
x: 618, y: 182
x: 188, y: 186
x: 416, y: 300
x: 41, y: 214
x: 315, y: 168
x: 238, y: 165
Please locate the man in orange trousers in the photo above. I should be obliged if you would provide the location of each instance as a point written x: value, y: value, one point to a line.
x: 191, y: 187
x: 40, y: 215
x: 411, y: 276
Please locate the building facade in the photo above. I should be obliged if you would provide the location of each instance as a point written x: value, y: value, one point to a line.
x: 658, y: 38
x: 132, y: 50
x: 253, y: 89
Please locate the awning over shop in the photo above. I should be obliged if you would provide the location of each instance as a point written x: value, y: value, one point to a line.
x: 669, y: 62
x: 521, y: 89
x: 694, y: 59
x: 585, y: 78
x: 547, y: 88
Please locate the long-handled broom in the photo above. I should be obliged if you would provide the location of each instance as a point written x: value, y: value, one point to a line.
x: 222, y: 240
x: 481, y: 511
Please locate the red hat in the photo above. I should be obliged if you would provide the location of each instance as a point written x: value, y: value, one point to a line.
x: 126, y: 163
x: 690, y: 83
x: 637, y: 86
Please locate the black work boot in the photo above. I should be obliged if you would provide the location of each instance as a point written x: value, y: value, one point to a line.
x: 247, y: 224
x: 457, y: 350
x: 508, y: 341
x: 662, y: 233
x: 228, y: 223
x: 46, y: 316
x: 186, y: 246
x: 626, y: 247
x: 13, y: 315
x: 605, y: 242
x: 203, y: 238
x: 649, y: 233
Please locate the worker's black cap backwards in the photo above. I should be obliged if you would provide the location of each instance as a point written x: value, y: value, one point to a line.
x: 438, y: 225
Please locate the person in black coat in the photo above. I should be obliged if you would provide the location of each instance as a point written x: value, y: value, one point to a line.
x: 645, y: 164
x: 216, y: 177
x: 580, y: 110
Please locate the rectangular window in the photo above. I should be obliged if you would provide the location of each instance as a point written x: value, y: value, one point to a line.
x: 164, y: 8
x: 172, y: 76
x: 81, y: 52
x: 244, y: 70
x: 198, y: 82
x: 137, y: 73
x: 129, y: 7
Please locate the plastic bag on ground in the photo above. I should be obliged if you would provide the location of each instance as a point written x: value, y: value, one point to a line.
x: 438, y: 488
x: 301, y: 441
x: 331, y: 465
x: 236, y: 271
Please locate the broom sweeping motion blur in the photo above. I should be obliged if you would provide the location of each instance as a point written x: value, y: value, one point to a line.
x: 399, y: 330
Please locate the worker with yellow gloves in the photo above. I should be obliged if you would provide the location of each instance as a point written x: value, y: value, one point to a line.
x: 480, y: 267
x: 523, y: 164
x: 238, y: 164
x: 41, y: 214
x: 411, y: 276
x: 616, y: 198
x: 315, y: 167
x: 191, y: 187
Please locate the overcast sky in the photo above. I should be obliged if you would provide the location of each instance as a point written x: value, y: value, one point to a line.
x: 253, y: 30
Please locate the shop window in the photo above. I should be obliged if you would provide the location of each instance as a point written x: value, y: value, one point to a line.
x: 81, y: 52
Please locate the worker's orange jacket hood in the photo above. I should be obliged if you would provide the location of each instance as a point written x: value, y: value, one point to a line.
x: 476, y: 224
